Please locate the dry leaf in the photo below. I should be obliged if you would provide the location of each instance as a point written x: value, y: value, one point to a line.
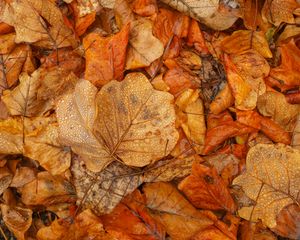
x: 144, y: 8
x: 195, y: 37
x: 131, y: 218
x: 243, y: 40
x: 143, y: 47
x: 103, y: 191
x: 17, y: 219
x: 39, y: 22
x: 47, y: 190
x: 276, y: 11
x: 195, y: 9
x: 6, y: 177
x: 274, y: 105
x: 296, y: 134
x: 23, y: 176
x: 105, y: 56
x: 206, y: 189
x: 134, y: 122
x: 191, y: 106
x: 222, y: 101
x: 271, y: 180
x: 85, y: 226
x: 180, y: 219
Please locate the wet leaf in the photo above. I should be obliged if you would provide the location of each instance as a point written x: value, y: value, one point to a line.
x: 39, y: 22
x: 134, y: 122
x: 271, y: 180
x: 17, y: 219
x: 143, y: 48
x: 206, y: 189
x: 105, y: 56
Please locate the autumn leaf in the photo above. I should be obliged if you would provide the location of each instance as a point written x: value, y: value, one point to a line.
x: 143, y: 47
x: 6, y: 177
x: 222, y: 101
x: 206, y: 189
x: 133, y: 122
x: 243, y: 40
x: 296, y: 134
x: 271, y: 180
x: 47, y: 190
x: 103, y: 191
x: 23, y: 175
x: 180, y: 219
x: 85, y: 225
x: 39, y: 22
x: 17, y: 219
x: 105, y: 56
x: 131, y: 218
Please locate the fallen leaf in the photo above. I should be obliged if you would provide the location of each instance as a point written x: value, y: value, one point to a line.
x: 222, y: 101
x: 243, y: 40
x: 39, y: 22
x: 195, y: 38
x: 296, y: 134
x: 276, y: 11
x: 138, y: 132
x: 274, y: 105
x: 195, y: 9
x: 144, y: 8
x: 287, y: 74
x: 6, y: 177
x: 132, y: 219
x: 105, y: 56
x: 23, y: 176
x: 191, y: 106
x: 288, y: 222
x: 271, y: 180
x: 205, y: 189
x: 143, y: 47
x: 180, y: 219
x: 86, y: 225
x: 17, y: 219
x: 86, y: 7
x: 293, y: 98
x: 47, y: 190
x: 250, y: 230
x: 103, y: 191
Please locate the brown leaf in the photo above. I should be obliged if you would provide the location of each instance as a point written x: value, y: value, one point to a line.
x: 47, y: 190
x: 206, y: 189
x: 39, y: 22
x: 6, y: 177
x: 17, y: 219
x: 132, y: 219
x: 134, y: 122
x: 180, y: 219
x: 105, y: 56
x: 195, y: 38
x: 296, y: 134
x: 271, y: 180
x: 143, y: 47
x: 23, y: 176
x: 85, y: 226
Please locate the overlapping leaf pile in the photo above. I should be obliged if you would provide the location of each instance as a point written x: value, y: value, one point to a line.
x: 146, y: 119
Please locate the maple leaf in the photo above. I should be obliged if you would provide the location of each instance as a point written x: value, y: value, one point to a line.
x: 103, y: 191
x: 128, y: 120
x: 271, y: 180
x: 17, y: 219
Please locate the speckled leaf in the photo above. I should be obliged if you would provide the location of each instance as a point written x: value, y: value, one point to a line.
x: 272, y: 180
x: 135, y: 122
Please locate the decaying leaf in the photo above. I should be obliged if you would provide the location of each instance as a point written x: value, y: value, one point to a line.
x: 39, y: 22
x: 296, y: 134
x: 273, y: 104
x: 85, y: 226
x: 17, y: 219
x: 105, y: 56
x: 47, y: 190
x: 143, y: 48
x: 131, y: 218
x: 133, y: 122
x: 180, y: 219
x: 23, y: 175
x: 6, y: 177
x: 206, y: 189
x: 103, y: 191
x: 271, y: 180
x: 222, y: 101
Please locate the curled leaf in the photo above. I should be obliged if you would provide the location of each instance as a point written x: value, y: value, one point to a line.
x: 271, y: 180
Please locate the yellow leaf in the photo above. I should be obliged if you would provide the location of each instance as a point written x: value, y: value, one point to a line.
x: 143, y: 48
x: 272, y: 180
x: 131, y: 121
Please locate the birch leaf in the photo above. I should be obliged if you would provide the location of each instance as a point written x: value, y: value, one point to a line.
x: 271, y: 180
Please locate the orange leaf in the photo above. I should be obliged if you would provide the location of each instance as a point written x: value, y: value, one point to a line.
x: 144, y: 8
x: 130, y: 217
x: 195, y: 38
x: 206, y: 189
x: 105, y: 56
x: 293, y: 98
x: 5, y: 28
x: 222, y: 101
